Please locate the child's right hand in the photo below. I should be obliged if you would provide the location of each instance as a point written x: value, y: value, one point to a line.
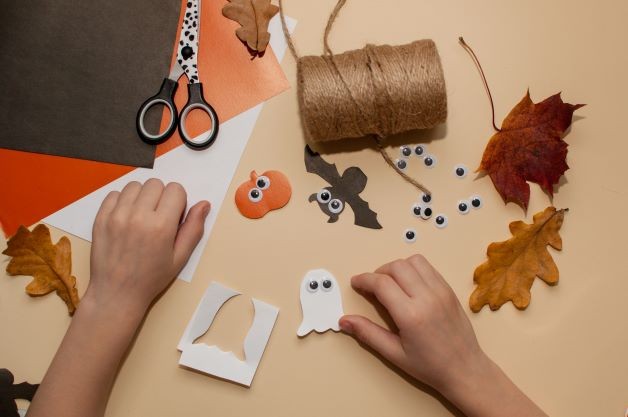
x: 435, y: 342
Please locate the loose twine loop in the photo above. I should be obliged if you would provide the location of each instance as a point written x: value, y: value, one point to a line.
x: 375, y: 91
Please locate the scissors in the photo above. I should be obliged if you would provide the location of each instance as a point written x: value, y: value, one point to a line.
x: 186, y: 64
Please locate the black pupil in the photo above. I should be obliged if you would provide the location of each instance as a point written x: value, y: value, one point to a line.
x: 428, y: 161
x: 335, y: 204
x: 255, y: 193
x: 327, y: 284
x: 261, y: 183
x: 418, y: 150
x: 410, y: 235
x: 417, y: 210
x: 460, y: 172
x: 440, y: 220
x: 325, y: 196
x: 462, y: 207
x: 406, y: 151
x: 427, y: 198
x: 476, y: 202
x: 427, y: 211
x: 401, y: 164
x: 313, y: 285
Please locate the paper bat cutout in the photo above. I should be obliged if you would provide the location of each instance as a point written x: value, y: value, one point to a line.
x: 344, y: 189
x: 9, y: 392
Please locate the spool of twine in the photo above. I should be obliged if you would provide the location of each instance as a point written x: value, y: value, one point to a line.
x: 375, y: 91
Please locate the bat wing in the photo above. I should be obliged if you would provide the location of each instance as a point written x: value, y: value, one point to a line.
x: 315, y: 164
x: 364, y: 216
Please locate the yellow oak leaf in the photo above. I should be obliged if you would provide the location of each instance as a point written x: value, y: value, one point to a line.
x: 513, y: 265
x: 32, y: 253
x: 253, y: 17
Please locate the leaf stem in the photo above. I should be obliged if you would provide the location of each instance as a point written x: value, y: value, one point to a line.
x: 488, y: 90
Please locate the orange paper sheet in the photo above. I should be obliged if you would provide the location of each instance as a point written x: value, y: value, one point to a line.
x: 35, y: 185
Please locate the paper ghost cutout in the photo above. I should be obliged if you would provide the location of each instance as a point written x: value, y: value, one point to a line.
x: 344, y: 190
x: 9, y: 392
x: 263, y: 193
x: 321, y: 303
x: 210, y: 359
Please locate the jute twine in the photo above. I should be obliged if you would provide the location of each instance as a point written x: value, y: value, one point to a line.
x: 375, y: 91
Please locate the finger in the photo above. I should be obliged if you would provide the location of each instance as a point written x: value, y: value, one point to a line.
x: 172, y: 202
x: 149, y: 194
x: 385, y: 289
x: 128, y: 195
x: 106, y: 207
x: 190, y: 233
x: 430, y: 276
x: 375, y: 336
x: 404, y: 274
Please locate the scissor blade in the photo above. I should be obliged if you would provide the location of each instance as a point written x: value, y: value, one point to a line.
x: 188, y: 40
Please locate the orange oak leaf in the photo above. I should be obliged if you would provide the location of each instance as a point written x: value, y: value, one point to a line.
x: 513, y: 265
x: 253, y: 17
x: 32, y: 253
x: 529, y: 147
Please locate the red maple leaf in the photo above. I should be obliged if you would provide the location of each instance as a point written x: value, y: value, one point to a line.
x: 529, y: 147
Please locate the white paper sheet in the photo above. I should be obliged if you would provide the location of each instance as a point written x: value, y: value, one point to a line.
x: 205, y: 174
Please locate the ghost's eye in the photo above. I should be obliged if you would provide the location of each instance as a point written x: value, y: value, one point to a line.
x: 460, y: 171
x: 419, y: 150
x: 312, y: 286
x: 401, y: 164
x: 323, y: 196
x: 335, y: 206
x: 426, y: 198
x: 464, y: 206
x: 405, y: 151
x: 429, y: 161
x: 263, y: 182
x: 409, y: 235
x: 327, y: 284
x: 256, y: 195
x: 416, y: 210
x: 476, y: 201
x: 441, y: 221
x: 427, y: 213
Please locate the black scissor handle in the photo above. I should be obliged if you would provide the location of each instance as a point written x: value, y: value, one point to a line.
x: 166, y: 98
x: 196, y: 101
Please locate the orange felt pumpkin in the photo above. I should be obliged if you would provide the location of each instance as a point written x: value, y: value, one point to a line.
x: 263, y: 193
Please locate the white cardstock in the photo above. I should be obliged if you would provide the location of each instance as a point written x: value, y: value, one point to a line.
x: 210, y: 359
x: 321, y: 303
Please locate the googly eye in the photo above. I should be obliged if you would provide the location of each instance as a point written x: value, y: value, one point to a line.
x: 416, y: 209
x: 406, y: 151
x: 312, y: 286
x: 401, y: 164
x: 427, y: 213
x: 426, y: 198
x: 460, y: 171
x: 419, y: 150
x: 430, y: 161
x: 327, y: 284
x: 323, y: 196
x: 335, y: 206
x: 464, y: 206
x: 262, y: 182
x: 409, y: 235
x: 476, y: 202
x: 256, y: 195
x: 441, y: 221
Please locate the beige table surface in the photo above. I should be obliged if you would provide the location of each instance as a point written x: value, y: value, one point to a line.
x: 567, y: 350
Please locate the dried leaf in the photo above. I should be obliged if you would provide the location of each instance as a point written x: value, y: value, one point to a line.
x: 50, y: 265
x: 512, y: 265
x: 529, y: 147
x: 253, y: 17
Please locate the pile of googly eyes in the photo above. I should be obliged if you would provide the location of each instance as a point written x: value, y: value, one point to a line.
x: 420, y: 151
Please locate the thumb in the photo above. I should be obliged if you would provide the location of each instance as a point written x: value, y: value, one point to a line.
x: 190, y: 233
x: 381, y: 340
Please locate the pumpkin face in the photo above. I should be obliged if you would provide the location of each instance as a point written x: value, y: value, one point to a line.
x: 263, y: 193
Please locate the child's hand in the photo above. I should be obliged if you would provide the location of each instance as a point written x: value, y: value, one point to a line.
x: 138, y: 245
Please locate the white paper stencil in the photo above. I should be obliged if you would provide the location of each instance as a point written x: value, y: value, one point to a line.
x: 321, y: 303
x: 212, y: 360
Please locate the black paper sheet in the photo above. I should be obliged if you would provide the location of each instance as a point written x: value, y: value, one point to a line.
x: 73, y: 74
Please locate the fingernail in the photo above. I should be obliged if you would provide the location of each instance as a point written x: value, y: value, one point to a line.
x: 346, y: 326
x: 206, y: 210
